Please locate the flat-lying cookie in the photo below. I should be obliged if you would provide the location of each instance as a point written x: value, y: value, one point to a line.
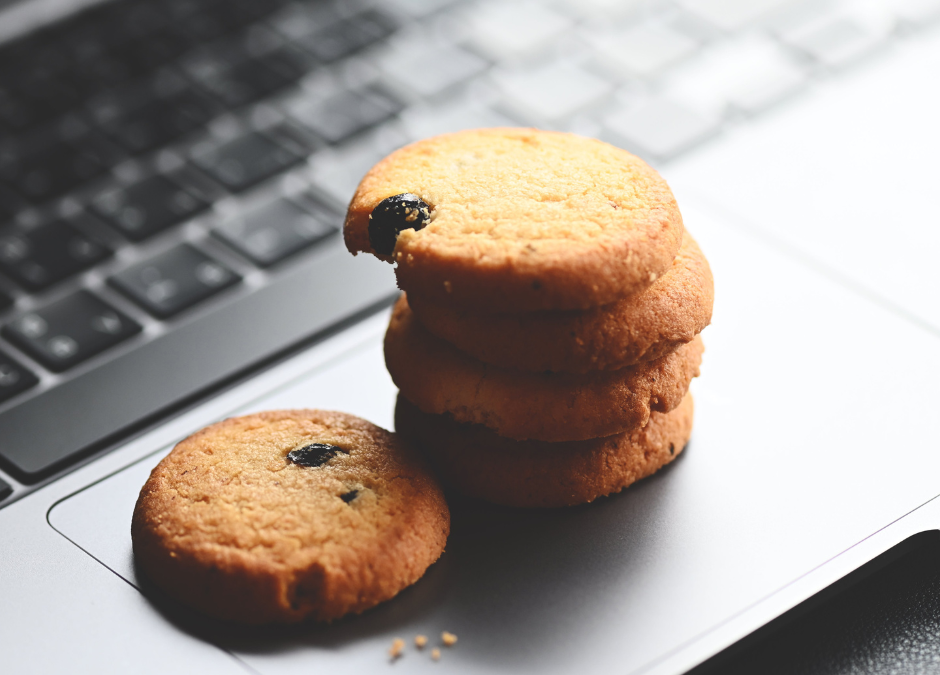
x: 281, y: 516
x: 519, y: 220
x: 642, y: 327
x: 478, y: 463
x: 439, y: 378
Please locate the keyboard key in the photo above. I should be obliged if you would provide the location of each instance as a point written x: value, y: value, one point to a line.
x: 645, y: 49
x: 659, y: 128
x: 47, y: 254
x: 273, y: 232
x: 731, y: 15
x: 161, y: 122
x: 337, y: 171
x: 10, y: 204
x: 241, y: 83
x: 422, y: 69
x: 5, y: 301
x: 44, y: 167
x: 345, y: 37
x: 507, y: 29
x: 836, y: 40
x: 14, y: 378
x: 748, y: 73
x: 173, y: 281
x: 918, y: 12
x: 341, y: 115
x: 423, y: 121
x: 147, y: 207
x: 245, y: 161
x: 70, y: 330
x: 5, y: 490
x: 551, y: 92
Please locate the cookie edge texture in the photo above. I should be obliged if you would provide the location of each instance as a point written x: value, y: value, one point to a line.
x: 439, y: 378
x: 475, y: 462
x: 642, y: 327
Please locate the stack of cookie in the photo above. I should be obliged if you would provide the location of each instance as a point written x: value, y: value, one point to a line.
x: 548, y: 337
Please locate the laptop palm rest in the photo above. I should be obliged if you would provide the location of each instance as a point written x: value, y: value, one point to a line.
x: 813, y: 431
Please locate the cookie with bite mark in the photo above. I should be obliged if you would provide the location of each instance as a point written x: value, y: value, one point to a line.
x: 518, y: 220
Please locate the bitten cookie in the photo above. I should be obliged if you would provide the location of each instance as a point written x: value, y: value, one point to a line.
x: 641, y: 327
x: 478, y: 463
x: 281, y: 516
x: 514, y: 220
x: 439, y: 378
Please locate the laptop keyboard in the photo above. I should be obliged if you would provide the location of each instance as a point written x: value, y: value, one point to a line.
x: 155, y: 157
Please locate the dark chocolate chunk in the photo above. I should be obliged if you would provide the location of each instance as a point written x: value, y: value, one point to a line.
x: 315, y: 454
x: 349, y: 496
x: 387, y: 220
x: 672, y: 448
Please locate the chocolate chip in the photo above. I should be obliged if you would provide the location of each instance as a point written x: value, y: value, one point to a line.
x: 349, y: 496
x: 393, y: 215
x: 315, y: 454
x: 672, y: 448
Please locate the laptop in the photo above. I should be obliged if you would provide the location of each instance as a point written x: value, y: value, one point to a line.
x: 173, y: 176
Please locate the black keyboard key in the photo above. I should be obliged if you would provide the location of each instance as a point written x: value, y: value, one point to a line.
x: 5, y: 490
x: 147, y: 207
x: 122, y: 102
x: 241, y: 83
x: 273, y: 232
x: 70, y: 330
x: 289, y: 62
x: 163, y: 121
x: 47, y: 254
x: 10, y: 204
x: 14, y: 378
x: 45, y: 166
x: 173, y: 281
x: 155, y: 50
x: 5, y: 302
x: 245, y: 161
x: 337, y: 117
x: 348, y: 36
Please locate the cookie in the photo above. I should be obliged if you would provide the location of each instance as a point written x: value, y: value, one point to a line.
x: 288, y: 515
x: 519, y: 220
x: 642, y: 327
x: 476, y: 462
x: 439, y: 378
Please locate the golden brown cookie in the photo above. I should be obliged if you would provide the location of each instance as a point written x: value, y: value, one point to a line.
x: 642, y: 327
x: 522, y: 220
x: 478, y: 463
x: 439, y: 378
x: 281, y: 516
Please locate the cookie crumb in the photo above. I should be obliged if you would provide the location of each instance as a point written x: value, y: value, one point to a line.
x: 435, y: 653
x: 421, y: 641
x: 398, y: 646
x: 449, y: 639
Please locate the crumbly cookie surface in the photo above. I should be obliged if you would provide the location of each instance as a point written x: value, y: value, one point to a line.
x: 523, y: 220
x: 439, y: 378
x: 642, y: 327
x: 227, y: 524
x: 478, y: 463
